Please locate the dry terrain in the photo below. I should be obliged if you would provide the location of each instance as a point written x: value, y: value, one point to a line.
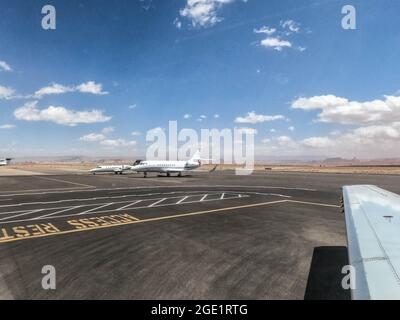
x: 82, y: 168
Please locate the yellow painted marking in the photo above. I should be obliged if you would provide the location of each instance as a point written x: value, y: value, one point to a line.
x: 39, y: 230
x: 7, y: 238
x: 88, y: 224
x: 65, y: 181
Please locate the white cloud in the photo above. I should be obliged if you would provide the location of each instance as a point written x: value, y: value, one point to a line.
x: 6, y: 93
x: 201, y: 118
x: 117, y: 143
x: 133, y: 106
x: 135, y: 133
x: 276, y: 43
x: 55, y: 88
x: 341, y: 110
x: 216, y: 116
x: 93, y: 137
x: 156, y: 129
x: 277, y: 38
x: 107, y: 130
x: 59, y: 115
x: 187, y: 116
x: 104, y: 141
x: 264, y: 29
x: 272, y: 130
x: 319, y: 102
x: 254, y: 118
x: 5, y: 66
x: 285, y: 141
x: 291, y: 26
x: 378, y: 132
x: 335, y: 132
x: 177, y: 23
x: 318, y: 142
x: 91, y: 87
x: 203, y: 13
x: 373, y: 141
x: 7, y: 126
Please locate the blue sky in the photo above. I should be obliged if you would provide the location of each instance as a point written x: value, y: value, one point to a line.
x: 285, y: 68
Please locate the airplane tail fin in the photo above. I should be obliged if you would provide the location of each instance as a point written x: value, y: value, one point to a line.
x: 196, y: 156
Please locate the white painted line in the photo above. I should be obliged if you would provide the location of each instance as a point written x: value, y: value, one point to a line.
x: 128, y: 205
x: 54, y: 213
x: 183, y: 199
x: 222, y: 196
x: 279, y: 195
x: 171, y: 204
x: 87, y: 211
x: 128, y: 209
x: 157, y: 202
x: 94, y: 189
x: 100, y: 198
x: 22, y: 214
x: 89, y: 204
x: 205, y: 196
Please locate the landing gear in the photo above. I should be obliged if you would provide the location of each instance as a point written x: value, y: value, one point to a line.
x: 168, y: 174
x: 144, y: 174
x: 180, y: 174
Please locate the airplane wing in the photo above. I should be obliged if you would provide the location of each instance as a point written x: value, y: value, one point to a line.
x: 373, y: 238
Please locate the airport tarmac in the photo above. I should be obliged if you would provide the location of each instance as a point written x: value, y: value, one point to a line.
x: 201, y: 236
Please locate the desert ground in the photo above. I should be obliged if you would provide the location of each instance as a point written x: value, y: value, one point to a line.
x: 51, y: 168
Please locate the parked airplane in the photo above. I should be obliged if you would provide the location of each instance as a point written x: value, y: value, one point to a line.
x: 117, y: 169
x: 167, y: 166
x: 5, y: 161
x: 373, y: 243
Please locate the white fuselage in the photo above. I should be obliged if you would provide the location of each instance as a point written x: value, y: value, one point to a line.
x: 4, y: 162
x: 166, y: 166
x: 117, y: 169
